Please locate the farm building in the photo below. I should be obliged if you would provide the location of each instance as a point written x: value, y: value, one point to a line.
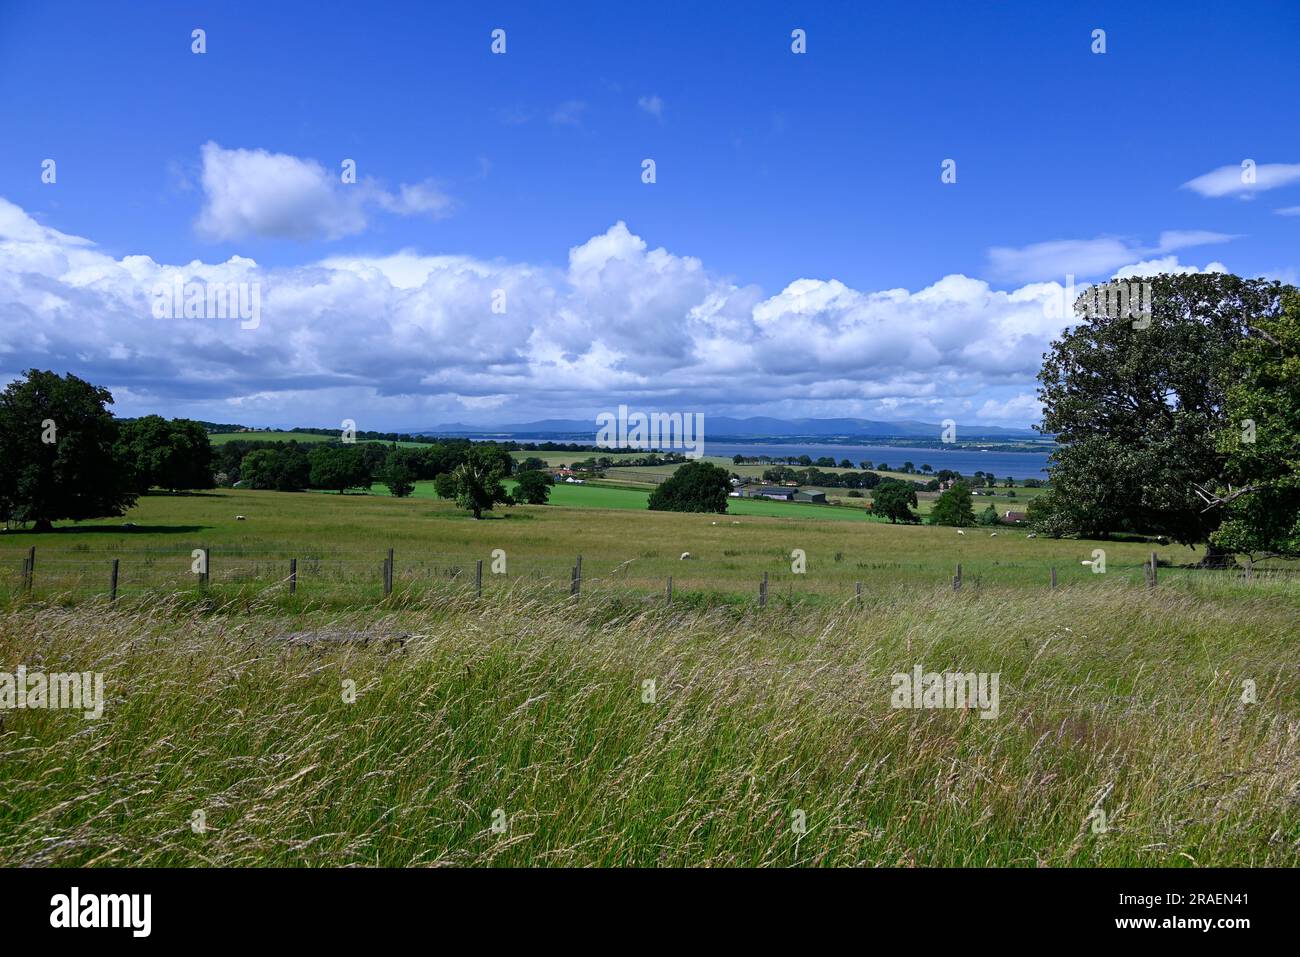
x: 778, y: 492
x: 784, y: 493
x: 1014, y: 517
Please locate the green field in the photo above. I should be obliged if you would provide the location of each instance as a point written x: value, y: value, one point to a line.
x: 516, y: 728
x: 522, y: 730
x: 341, y: 539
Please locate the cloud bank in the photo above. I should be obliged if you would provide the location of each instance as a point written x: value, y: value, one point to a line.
x: 411, y: 340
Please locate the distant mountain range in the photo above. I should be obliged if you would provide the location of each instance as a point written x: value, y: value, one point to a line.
x: 758, y: 427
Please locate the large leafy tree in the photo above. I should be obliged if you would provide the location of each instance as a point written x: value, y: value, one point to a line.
x: 477, y: 480
x: 954, y: 507
x: 339, y: 467
x: 173, y: 455
x: 398, y: 477
x: 283, y: 468
x: 534, y: 487
x: 894, y: 500
x: 1137, y: 407
x: 59, y: 454
x: 1260, y: 498
x: 695, y: 487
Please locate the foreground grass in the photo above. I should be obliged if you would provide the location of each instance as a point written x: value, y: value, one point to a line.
x: 532, y: 709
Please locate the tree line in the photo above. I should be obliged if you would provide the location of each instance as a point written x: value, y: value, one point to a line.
x: 64, y: 456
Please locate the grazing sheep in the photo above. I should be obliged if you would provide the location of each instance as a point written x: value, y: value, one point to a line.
x: 685, y: 556
x: 1031, y: 535
x: 1085, y: 562
x: 239, y: 518
x: 993, y: 534
x: 960, y: 532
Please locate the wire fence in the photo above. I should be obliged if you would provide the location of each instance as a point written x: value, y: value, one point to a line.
x: 374, y: 574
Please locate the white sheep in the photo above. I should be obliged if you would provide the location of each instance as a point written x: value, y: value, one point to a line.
x: 1031, y: 535
x: 685, y: 556
x: 993, y: 534
x: 960, y: 532
x: 239, y: 518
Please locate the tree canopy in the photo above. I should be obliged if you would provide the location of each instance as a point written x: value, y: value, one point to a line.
x: 533, y: 488
x: 954, y: 507
x: 477, y: 480
x: 173, y: 455
x: 1260, y: 495
x: 894, y: 499
x: 59, y: 452
x: 695, y: 487
x: 339, y: 467
x: 1137, y: 408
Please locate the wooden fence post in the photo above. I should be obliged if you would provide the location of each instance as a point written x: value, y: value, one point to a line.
x: 574, y: 585
x: 112, y: 582
x: 858, y: 591
x: 478, y: 579
x: 1053, y: 584
x: 388, y: 574
x: 956, y: 579
x: 1155, y: 563
x: 670, y: 589
x: 762, y: 592
x: 293, y: 576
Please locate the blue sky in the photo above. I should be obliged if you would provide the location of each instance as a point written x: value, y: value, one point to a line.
x: 772, y: 168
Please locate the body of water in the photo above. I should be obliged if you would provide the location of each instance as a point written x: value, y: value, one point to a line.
x: 1019, y: 465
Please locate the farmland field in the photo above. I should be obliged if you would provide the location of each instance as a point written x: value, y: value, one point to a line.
x: 343, y: 538
x: 531, y: 707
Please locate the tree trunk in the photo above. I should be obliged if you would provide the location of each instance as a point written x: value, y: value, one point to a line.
x: 43, y: 525
x: 1216, y: 557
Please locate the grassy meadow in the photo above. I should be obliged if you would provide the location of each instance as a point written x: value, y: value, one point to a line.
x: 341, y: 540
x: 520, y: 728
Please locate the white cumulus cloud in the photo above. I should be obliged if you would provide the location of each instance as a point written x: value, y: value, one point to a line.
x: 276, y: 195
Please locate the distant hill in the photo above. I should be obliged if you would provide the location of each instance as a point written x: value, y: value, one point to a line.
x: 717, y: 427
